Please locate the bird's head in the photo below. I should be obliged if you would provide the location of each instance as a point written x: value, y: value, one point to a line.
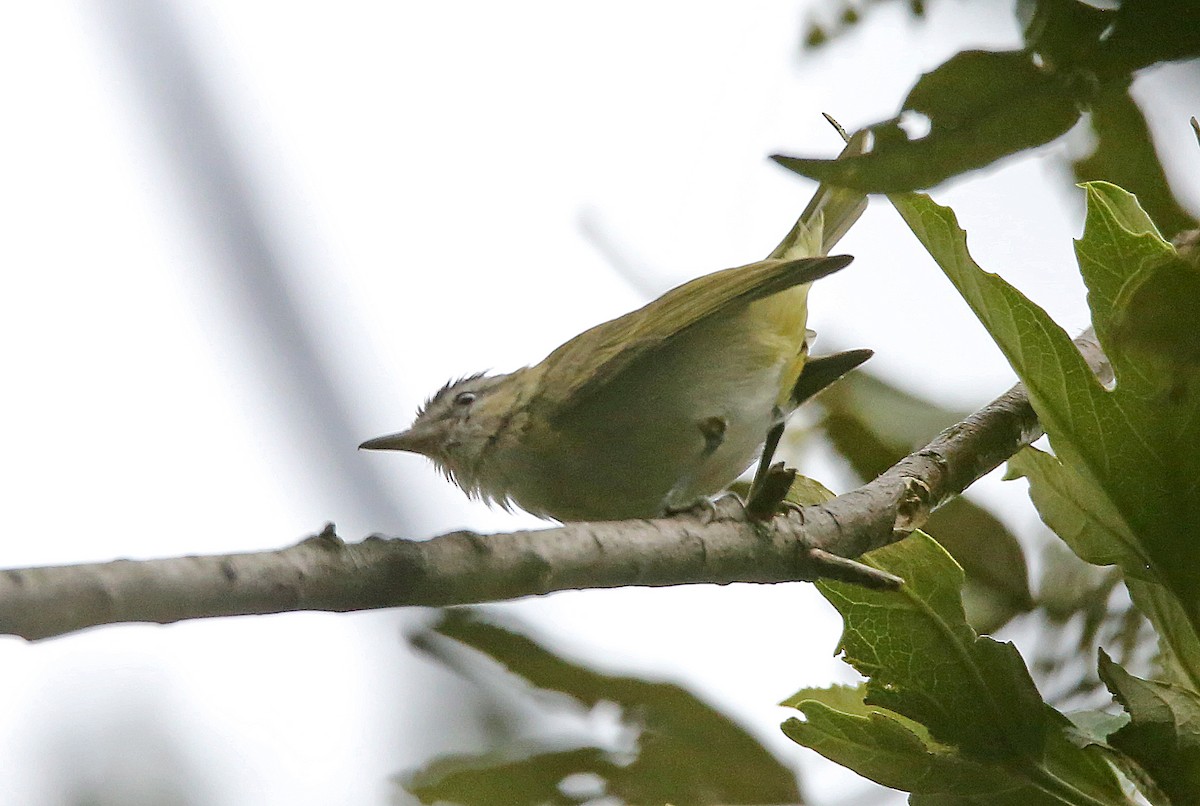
x: 457, y: 428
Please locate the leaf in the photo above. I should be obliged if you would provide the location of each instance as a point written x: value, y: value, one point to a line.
x: 984, y: 105
x: 1179, y: 648
x: 981, y: 106
x: 1120, y: 250
x: 499, y: 778
x: 1163, y: 734
x: 1081, y: 612
x: 880, y: 747
x: 1039, y: 350
x: 846, y: 699
x: 1132, y: 449
x: 1064, y: 32
x: 1071, y: 506
x: 926, y: 663
x: 1093, y: 727
x: 1146, y: 32
x: 888, y: 748
x: 1068, y: 774
x: 808, y: 492
x: 945, y: 713
x: 1155, y: 322
x: 997, y: 578
x: 687, y: 751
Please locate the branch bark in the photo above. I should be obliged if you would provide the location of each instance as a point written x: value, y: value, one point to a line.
x: 325, y: 573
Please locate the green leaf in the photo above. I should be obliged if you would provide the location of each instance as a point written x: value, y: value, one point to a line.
x: 1069, y: 774
x: 996, y: 587
x: 880, y: 747
x: 486, y: 780
x: 1163, y: 734
x: 808, y: 492
x: 1131, y: 449
x: 1154, y: 325
x: 1094, y: 727
x: 1076, y: 511
x: 1038, y: 349
x: 945, y: 712
x: 926, y: 663
x: 1179, y: 648
x: 1117, y: 253
x: 687, y: 751
x: 1063, y: 32
x: 890, y: 749
x: 1144, y: 301
x: 1144, y: 33
x: 981, y: 106
x: 847, y: 699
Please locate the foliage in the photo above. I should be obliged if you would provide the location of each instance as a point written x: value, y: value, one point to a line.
x: 945, y: 713
x: 1123, y: 488
x: 679, y: 749
x: 1078, y: 62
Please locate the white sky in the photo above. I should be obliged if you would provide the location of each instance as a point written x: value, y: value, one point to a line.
x: 424, y: 169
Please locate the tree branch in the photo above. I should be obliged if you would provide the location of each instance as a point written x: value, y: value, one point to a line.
x: 324, y: 573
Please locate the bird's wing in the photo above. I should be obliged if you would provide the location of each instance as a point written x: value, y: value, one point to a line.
x: 594, y: 358
x: 591, y: 360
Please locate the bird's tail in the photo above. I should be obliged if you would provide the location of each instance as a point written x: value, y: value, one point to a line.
x: 828, y: 216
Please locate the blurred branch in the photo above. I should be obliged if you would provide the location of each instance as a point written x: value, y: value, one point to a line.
x: 722, y: 546
x: 225, y: 195
x: 601, y: 239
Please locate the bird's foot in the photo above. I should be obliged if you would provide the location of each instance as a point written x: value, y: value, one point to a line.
x: 767, y: 494
x: 702, y: 509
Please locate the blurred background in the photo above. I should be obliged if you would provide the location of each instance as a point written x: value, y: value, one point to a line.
x: 240, y: 238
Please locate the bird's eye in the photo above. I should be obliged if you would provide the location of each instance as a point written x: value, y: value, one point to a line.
x: 464, y: 398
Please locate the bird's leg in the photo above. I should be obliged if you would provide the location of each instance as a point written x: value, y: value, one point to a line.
x: 768, y: 453
x: 770, y: 484
x: 675, y: 502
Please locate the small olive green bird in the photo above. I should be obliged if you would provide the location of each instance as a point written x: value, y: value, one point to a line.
x: 656, y: 410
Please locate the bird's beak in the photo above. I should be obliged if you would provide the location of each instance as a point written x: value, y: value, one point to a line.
x: 421, y: 438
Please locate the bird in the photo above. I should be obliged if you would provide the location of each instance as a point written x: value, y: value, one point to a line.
x: 655, y: 411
